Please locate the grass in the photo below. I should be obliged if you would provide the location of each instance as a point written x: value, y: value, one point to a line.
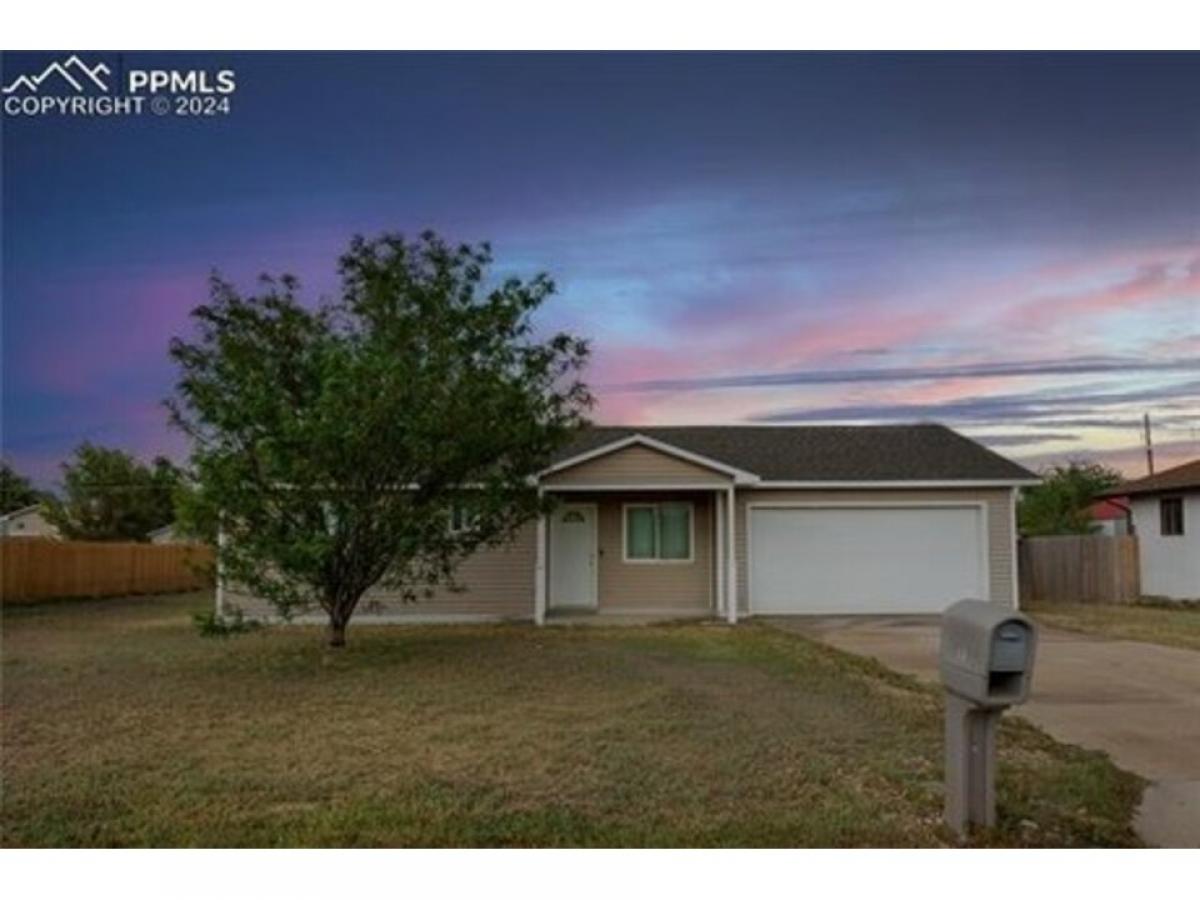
x: 123, y: 727
x: 1176, y: 625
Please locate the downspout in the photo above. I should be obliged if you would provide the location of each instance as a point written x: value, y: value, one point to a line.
x: 1015, y: 550
x: 719, y: 554
x: 731, y: 597
x: 539, y: 569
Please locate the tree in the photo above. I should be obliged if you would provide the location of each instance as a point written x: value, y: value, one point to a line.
x: 108, y: 495
x: 1060, y: 504
x: 16, y: 491
x: 334, y: 440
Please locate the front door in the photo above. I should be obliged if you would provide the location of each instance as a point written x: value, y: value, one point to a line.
x: 573, y: 556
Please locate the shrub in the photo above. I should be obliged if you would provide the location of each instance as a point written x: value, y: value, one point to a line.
x: 210, y: 624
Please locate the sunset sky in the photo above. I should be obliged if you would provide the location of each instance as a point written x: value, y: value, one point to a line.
x: 1009, y: 244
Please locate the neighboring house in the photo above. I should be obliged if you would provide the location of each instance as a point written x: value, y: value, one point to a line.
x: 165, y: 535
x: 744, y: 520
x: 1166, y: 519
x: 27, y: 522
x: 1111, y: 517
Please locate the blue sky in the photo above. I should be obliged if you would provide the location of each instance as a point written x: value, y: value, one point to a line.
x: 1009, y: 243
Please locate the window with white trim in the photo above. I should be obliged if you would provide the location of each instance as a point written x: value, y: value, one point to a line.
x: 658, y: 532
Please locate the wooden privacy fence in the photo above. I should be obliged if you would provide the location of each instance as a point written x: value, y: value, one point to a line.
x: 34, y: 568
x: 1086, y: 568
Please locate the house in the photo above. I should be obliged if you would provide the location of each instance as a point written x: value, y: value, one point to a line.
x: 29, y: 521
x: 1112, y: 518
x: 735, y: 521
x: 1166, y: 519
x: 165, y: 535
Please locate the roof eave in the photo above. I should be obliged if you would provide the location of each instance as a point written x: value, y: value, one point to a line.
x: 901, y: 483
x: 1150, y: 491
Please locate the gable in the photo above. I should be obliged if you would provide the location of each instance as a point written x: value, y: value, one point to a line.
x: 637, y: 465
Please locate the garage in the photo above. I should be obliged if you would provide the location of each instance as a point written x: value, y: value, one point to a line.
x: 872, y: 559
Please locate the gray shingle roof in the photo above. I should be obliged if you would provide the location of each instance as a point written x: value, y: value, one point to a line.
x: 826, y: 453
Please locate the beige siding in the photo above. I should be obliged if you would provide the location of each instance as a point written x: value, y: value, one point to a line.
x: 654, y: 586
x: 998, y: 517
x: 498, y: 583
x: 636, y: 465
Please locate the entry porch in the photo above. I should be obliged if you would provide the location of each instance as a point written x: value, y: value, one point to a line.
x: 636, y: 553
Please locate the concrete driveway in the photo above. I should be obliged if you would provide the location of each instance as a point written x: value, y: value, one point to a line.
x: 1138, y: 702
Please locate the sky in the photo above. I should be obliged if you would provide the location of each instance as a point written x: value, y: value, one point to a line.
x: 1005, y: 243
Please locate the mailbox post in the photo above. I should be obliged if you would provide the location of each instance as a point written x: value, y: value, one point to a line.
x: 986, y: 664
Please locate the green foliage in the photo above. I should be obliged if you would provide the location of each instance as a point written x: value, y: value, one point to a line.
x: 209, y: 624
x: 16, y: 491
x: 332, y: 439
x: 108, y: 495
x: 1059, y: 505
x: 191, y: 524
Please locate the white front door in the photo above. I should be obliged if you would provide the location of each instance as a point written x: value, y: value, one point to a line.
x: 573, y: 556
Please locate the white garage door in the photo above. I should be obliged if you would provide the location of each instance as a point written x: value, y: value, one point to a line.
x: 829, y: 560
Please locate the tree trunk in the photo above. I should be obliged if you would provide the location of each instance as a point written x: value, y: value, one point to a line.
x: 337, y: 632
x: 340, y: 607
x: 341, y: 599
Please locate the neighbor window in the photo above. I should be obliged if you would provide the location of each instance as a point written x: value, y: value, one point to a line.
x: 463, y: 517
x: 1170, y: 516
x: 658, y: 532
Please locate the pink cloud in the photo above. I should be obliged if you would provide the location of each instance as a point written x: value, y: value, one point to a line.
x: 1046, y: 312
x: 947, y: 389
x: 1152, y: 283
x: 730, y: 339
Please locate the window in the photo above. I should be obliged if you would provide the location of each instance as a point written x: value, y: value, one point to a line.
x: 1170, y: 516
x: 463, y: 517
x: 658, y: 532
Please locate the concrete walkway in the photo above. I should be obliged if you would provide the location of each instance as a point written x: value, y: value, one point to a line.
x: 1138, y: 702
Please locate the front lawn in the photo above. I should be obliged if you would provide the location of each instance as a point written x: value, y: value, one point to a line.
x: 123, y: 727
x: 1174, y: 625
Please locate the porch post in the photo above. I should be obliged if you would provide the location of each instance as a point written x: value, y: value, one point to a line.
x: 539, y: 572
x: 1014, y: 548
x: 731, y: 597
x: 719, y: 548
x: 220, y: 566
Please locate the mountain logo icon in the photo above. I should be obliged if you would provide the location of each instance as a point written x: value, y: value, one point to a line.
x: 74, y: 71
